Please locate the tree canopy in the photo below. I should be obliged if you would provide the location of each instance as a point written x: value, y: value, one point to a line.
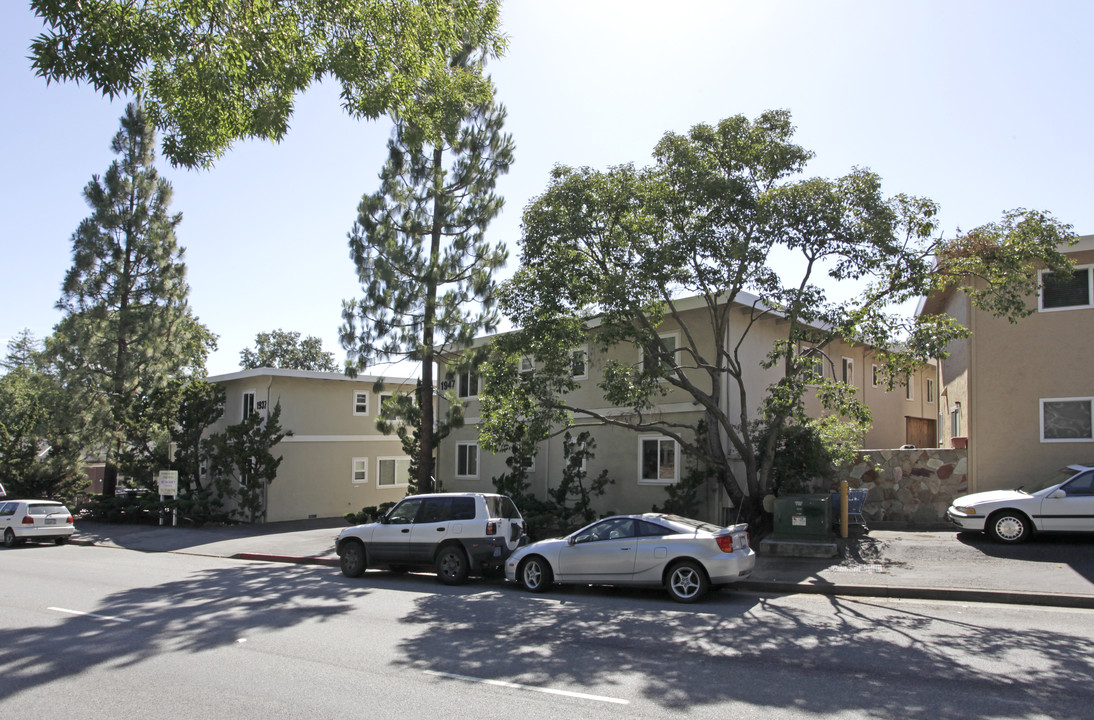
x: 213, y: 72
x: 285, y: 349
x: 724, y: 219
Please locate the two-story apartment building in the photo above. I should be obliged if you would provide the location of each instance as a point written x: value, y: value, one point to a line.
x: 643, y: 464
x: 335, y: 461
x: 1021, y: 395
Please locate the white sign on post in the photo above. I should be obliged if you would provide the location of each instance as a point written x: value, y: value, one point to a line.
x: 168, y: 481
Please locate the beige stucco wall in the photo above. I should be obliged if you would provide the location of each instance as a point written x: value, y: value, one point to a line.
x: 1013, y: 366
x: 315, y: 478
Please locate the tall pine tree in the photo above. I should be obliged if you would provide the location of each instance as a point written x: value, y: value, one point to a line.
x: 127, y: 328
x: 423, y: 262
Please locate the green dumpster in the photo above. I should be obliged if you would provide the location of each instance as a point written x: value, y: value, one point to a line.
x: 803, y: 517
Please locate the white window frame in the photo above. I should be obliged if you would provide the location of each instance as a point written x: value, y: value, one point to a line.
x: 847, y: 369
x: 642, y: 440
x: 930, y: 391
x: 243, y: 409
x: 466, y: 475
x: 675, y: 335
x: 381, y: 397
x: 1089, y: 269
x: 909, y: 388
x: 356, y: 395
x: 875, y: 372
x: 459, y: 384
x: 395, y: 459
x: 527, y: 366
x: 817, y: 356
x: 1063, y: 400
x: 955, y: 421
x: 584, y: 350
x: 359, y: 465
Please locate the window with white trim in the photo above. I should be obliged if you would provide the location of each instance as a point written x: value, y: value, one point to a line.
x: 1067, y: 419
x: 930, y: 390
x: 875, y: 375
x: 527, y: 366
x: 360, y: 403
x: 848, y: 371
x: 658, y: 460
x: 248, y: 403
x: 909, y: 387
x: 811, y: 362
x: 579, y: 362
x: 360, y: 470
x: 385, y: 398
x: 670, y: 342
x: 392, y: 471
x: 955, y: 421
x: 467, y: 385
x: 1067, y: 293
x: 467, y: 460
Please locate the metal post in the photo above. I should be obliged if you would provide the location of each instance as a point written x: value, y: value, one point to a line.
x: 843, y: 490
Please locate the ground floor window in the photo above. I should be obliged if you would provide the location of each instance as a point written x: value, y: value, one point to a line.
x: 467, y: 460
x: 658, y: 460
x: 393, y: 471
x: 360, y: 470
x: 1067, y: 419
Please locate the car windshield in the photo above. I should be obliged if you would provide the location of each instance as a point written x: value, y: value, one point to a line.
x: 1054, y: 478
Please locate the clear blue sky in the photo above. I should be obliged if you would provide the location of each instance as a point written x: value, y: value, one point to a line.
x: 982, y: 105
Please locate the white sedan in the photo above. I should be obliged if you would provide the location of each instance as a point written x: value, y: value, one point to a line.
x: 1062, y: 503
x: 686, y: 557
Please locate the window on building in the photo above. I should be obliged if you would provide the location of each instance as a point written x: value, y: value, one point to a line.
x: 393, y: 472
x: 579, y: 361
x: 658, y: 461
x: 848, y: 371
x: 909, y: 387
x: 248, y: 403
x: 527, y: 366
x: 1068, y: 292
x: 360, y: 470
x: 1067, y: 419
x: 467, y: 460
x: 811, y: 362
x: 955, y: 421
x: 385, y: 398
x: 360, y: 403
x: 930, y: 390
x: 669, y: 342
x: 875, y: 375
x: 467, y: 385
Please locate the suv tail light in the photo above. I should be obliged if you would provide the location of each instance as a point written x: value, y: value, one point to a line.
x: 28, y: 520
x: 491, y: 528
x: 725, y: 543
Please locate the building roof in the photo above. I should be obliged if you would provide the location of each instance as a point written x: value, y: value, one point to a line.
x: 307, y: 375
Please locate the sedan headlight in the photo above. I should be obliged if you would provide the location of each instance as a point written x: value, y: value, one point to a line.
x: 965, y: 510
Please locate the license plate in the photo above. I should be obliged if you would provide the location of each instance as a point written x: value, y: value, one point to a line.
x: 797, y: 520
x: 51, y: 521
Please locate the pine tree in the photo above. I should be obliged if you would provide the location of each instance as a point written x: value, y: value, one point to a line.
x: 127, y: 328
x: 421, y: 256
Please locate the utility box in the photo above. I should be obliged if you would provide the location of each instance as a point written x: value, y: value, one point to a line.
x: 803, y: 517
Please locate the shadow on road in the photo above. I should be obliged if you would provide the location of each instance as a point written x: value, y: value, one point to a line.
x: 1072, y: 549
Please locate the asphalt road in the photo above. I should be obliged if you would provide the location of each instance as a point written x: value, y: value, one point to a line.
x: 91, y: 632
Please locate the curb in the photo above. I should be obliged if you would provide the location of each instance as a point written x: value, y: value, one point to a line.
x: 293, y: 559
x: 1007, y: 597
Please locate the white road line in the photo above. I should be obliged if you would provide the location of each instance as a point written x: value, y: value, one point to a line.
x: 87, y: 614
x: 531, y: 688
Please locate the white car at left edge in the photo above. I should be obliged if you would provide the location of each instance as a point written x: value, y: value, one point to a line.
x: 35, y: 520
x: 1063, y: 502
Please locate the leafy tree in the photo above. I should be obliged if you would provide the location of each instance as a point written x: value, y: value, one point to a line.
x: 241, y: 464
x: 39, y: 454
x: 575, y: 492
x: 283, y: 349
x: 401, y: 415
x: 127, y: 328
x: 213, y: 72
x: 418, y: 245
x: 607, y: 256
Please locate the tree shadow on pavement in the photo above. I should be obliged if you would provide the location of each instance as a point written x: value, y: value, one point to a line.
x: 201, y: 611
x: 877, y: 659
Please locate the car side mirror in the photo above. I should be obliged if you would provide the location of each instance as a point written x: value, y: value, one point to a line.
x: 1058, y: 494
x: 384, y: 520
x: 571, y: 540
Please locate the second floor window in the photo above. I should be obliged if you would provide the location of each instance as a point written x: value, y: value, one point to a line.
x: 248, y: 404
x: 1066, y: 292
x: 468, y: 385
x: 360, y: 403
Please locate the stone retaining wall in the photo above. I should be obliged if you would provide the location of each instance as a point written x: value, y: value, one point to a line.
x: 909, y: 486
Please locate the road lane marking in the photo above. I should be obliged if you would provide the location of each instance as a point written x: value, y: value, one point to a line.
x: 88, y: 614
x: 531, y: 688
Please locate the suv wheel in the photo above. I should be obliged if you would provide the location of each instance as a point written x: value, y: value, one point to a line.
x: 351, y: 557
x: 452, y: 566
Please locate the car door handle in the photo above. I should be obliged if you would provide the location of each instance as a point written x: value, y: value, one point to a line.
x: 441, y: 529
x: 405, y: 530
x: 624, y: 549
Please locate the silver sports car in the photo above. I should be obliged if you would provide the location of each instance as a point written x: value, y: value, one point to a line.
x: 686, y: 557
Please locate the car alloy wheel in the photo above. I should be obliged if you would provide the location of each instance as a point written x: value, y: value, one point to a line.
x: 687, y: 582
x: 351, y: 558
x: 535, y: 574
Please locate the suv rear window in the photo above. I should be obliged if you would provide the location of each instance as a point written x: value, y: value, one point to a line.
x: 42, y: 509
x: 502, y: 507
x: 446, y: 509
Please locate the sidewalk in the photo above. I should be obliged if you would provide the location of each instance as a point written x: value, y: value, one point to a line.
x: 925, y: 564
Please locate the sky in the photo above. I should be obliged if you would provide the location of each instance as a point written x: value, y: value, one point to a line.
x: 981, y: 105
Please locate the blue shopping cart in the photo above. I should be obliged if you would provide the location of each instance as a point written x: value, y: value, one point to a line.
x: 856, y: 498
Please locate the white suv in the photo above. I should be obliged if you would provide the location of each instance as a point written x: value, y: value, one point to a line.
x: 455, y: 533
